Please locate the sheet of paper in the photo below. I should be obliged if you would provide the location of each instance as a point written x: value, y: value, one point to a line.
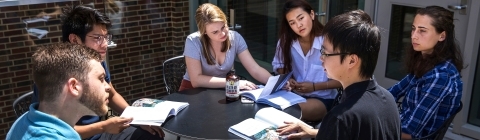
x: 146, y: 115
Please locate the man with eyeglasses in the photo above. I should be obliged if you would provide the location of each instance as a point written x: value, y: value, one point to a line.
x: 349, y: 54
x: 87, y: 26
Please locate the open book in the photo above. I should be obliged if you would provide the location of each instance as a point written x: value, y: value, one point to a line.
x: 273, y: 94
x: 264, y: 125
x: 152, y: 111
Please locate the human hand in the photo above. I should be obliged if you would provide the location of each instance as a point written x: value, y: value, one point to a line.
x: 304, y: 87
x: 296, y: 130
x: 116, y: 125
x: 246, y: 85
x: 290, y: 84
x: 153, y: 130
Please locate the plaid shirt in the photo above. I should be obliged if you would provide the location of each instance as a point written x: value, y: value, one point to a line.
x: 429, y: 100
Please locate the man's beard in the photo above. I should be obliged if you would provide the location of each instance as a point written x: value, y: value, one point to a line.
x: 93, y: 100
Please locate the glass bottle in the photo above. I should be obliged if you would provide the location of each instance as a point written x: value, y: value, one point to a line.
x: 232, y: 90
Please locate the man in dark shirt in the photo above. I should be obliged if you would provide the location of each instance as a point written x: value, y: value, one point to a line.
x: 366, y: 111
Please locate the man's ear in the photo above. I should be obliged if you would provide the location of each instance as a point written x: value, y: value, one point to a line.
x: 74, y: 87
x: 74, y: 39
x: 353, y: 60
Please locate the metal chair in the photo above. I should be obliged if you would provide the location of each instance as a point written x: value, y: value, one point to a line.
x: 440, y: 132
x: 22, y: 103
x: 173, y: 71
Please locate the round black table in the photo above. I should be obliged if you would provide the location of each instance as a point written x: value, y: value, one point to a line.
x: 209, y: 115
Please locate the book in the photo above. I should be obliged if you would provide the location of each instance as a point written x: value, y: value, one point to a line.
x: 152, y: 111
x: 272, y: 93
x: 263, y: 125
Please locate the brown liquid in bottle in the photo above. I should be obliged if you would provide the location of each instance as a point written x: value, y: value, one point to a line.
x: 232, y: 89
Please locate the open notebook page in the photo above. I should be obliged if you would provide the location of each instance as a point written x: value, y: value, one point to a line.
x: 275, y: 117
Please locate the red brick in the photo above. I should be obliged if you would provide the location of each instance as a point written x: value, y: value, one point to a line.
x: 17, y: 56
x: 21, y: 50
x: 13, y: 32
x: 21, y: 78
x: 8, y: 8
x: 37, y: 6
x: 22, y: 89
x: 7, y: 108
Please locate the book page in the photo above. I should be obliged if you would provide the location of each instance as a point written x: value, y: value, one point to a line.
x: 250, y: 127
x: 177, y: 106
x: 267, y: 90
x: 282, y: 99
x: 282, y: 81
x: 146, y: 115
x: 252, y: 94
x: 275, y: 117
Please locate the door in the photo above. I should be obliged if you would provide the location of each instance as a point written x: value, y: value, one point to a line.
x: 395, y: 17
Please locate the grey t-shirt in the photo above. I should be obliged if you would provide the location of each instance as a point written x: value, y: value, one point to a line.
x: 193, y: 48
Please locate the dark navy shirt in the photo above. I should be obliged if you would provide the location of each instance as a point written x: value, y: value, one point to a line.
x: 85, y: 120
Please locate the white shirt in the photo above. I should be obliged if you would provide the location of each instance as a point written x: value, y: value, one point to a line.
x: 307, y: 68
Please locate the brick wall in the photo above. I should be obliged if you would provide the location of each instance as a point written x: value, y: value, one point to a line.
x: 149, y: 32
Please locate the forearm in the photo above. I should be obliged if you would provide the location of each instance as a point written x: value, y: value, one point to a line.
x: 262, y: 75
x: 117, y: 102
x: 406, y: 136
x: 87, y: 131
x: 207, y: 81
x: 330, y: 84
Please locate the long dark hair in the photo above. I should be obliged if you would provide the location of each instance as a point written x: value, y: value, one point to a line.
x: 448, y: 49
x: 287, y: 35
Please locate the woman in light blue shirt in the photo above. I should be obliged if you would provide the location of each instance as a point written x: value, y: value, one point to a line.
x: 298, y: 51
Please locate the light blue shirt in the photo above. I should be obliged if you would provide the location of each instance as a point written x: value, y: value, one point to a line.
x: 36, y: 125
x: 307, y: 68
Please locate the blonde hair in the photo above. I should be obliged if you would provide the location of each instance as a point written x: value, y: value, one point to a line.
x: 208, y: 13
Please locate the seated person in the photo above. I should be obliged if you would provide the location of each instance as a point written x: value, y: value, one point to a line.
x: 298, y: 51
x: 85, y: 25
x: 70, y: 87
x: 433, y: 86
x: 365, y: 111
x: 210, y: 53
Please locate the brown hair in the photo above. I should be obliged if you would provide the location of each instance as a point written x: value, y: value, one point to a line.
x: 54, y: 64
x: 208, y: 13
x: 448, y: 49
x: 287, y: 35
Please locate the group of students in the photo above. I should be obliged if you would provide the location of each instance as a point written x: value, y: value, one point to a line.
x: 341, y: 54
x: 73, y: 88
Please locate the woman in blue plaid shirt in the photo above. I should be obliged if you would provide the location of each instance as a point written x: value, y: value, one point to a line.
x: 433, y: 87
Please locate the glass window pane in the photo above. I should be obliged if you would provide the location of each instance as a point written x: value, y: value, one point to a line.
x: 399, y: 38
x: 474, y: 114
x: 259, y: 26
x: 338, y: 7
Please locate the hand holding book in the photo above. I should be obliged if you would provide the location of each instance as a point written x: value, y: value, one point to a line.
x: 152, y: 111
x: 264, y: 125
x: 273, y: 93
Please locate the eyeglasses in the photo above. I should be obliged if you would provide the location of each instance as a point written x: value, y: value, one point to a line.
x: 324, y: 55
x: 99, y: 39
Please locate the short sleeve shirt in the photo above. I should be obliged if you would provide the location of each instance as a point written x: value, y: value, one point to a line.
x: 193, y: 49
